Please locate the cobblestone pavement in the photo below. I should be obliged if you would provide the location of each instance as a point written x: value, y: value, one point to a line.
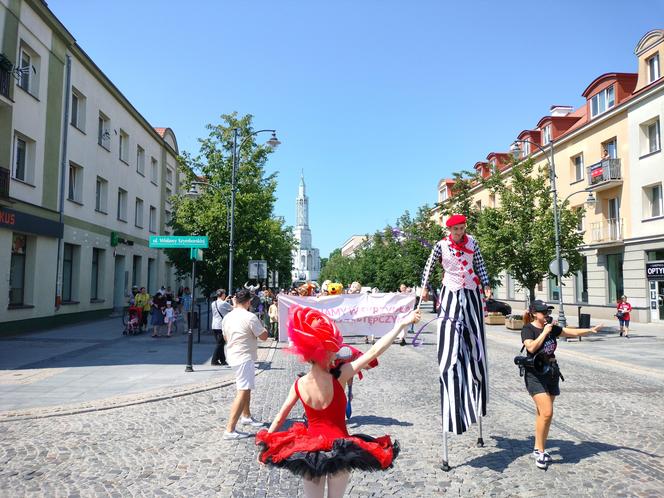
x: 606, y: 438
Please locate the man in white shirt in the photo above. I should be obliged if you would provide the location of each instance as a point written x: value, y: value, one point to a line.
x: 241, y: 330
x: 219, y: 309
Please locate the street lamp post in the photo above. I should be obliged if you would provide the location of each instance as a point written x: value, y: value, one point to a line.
x: 516, y: 151
x: 273, y: 142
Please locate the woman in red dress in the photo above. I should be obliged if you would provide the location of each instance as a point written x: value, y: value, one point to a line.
x: 623, y: 314
x: 323, y: 451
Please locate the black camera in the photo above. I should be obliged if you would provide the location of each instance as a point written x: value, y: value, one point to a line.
x: 549, y: 319
x: 537, y: 363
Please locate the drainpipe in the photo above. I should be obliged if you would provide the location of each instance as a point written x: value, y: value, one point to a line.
x: 63, y: 174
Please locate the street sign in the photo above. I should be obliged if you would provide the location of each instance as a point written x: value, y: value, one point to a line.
x: 553, y: 267
x: 178, y: 241
x: 258, y: 269
x: 196, y: 254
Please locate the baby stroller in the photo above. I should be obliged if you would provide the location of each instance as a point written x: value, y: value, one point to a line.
x: 133, y: 324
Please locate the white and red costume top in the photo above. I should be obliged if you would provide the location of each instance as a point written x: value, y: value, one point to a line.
x: 462, y: 264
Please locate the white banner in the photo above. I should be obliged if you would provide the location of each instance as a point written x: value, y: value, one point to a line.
x: 354, y: 314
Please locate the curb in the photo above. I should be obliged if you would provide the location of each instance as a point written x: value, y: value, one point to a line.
x: 135, y: 399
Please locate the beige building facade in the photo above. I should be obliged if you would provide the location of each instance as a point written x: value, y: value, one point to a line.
x: 84, y: 179
x: 611, y: 146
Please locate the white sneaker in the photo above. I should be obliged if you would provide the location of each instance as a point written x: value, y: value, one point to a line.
x: 545, y: 455
x: 235, y: 435
x: 251, y: 421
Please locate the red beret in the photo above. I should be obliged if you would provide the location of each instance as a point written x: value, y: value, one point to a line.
x: 455, y: 219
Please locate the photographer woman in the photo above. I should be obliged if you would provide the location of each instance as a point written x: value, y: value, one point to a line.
x: 539, y: 338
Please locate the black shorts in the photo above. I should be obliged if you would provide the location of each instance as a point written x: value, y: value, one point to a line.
x: 542, y: 383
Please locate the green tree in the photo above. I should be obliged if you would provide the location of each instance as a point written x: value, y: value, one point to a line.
x: 518, y: 236
x: 258, y: 233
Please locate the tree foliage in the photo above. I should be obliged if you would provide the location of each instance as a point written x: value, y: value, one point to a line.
x: 258, y: 233
x: 391, y: 256
x: 518, y: 236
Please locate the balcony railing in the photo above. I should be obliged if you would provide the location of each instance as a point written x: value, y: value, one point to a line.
x: 4, y: 183
x: 5, y: 81
x: 607, y: 231
x: 603, y: 171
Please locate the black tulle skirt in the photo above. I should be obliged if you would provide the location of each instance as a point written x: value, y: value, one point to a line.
x: 316, y: 456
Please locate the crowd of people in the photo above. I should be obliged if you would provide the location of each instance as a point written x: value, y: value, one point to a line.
x: 160, y: 311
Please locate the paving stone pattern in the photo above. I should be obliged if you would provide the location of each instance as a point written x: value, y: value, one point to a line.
x: 606, y: 439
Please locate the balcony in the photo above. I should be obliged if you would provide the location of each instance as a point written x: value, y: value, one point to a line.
x: 607, y: 232
x: 4, y: 183
x: 604, y: 175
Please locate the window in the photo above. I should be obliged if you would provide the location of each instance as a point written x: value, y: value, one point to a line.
x: 602, y: 102
x: 656, y: 255
x: 136, y: 271
x: 78, y: 109
x: 104, y: 132
x: 124, y: 146
x: 122, y: 205
x: 21, y: 153
x: 546, y: 134
x: 138, y: 213
x: 614, y: 266
x: 581, y: 282
x: 169, y: 194
x: 652, y: 207
x: 101, y: 195
x: 653, y: 68
x: 580, y: 227
x: 140, y: 160
x: 95, y: 281
x: 167, y: 220
x: 28, y: 71
x: 75, y: 190
x: 152, y: 263
x: 169, y: 176
x: 443, y: 195
x: 611, y: 147
x: 525, y: 149
x: 67, y: 272
x: 577, y: 165
x: 17, y: 270
x: 653, y: 137
x: 153, y: 219
x: 554, y: 289
x: 154, y: 170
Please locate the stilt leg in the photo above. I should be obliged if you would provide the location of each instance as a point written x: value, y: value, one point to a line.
x: 445, y: 466
x: 480, y: 440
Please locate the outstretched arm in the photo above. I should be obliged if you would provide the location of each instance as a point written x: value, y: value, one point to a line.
x: 348, y: 370
x: 433, y: 257
x: 285, y: 409
x: 568, y: 332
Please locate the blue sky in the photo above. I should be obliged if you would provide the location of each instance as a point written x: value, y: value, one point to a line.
x: 375, y: 100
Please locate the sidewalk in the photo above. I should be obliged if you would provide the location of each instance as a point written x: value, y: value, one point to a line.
x: 92, y: 366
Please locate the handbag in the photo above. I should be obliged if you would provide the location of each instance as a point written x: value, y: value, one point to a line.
x: 620, y: 315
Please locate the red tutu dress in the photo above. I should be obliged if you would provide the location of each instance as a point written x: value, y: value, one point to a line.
x: 324, y: 446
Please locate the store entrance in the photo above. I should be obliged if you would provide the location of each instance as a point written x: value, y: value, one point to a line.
x: 660, y: 298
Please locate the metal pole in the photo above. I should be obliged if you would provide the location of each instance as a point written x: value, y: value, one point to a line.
x: 231, y: 243
x: 190, y: 335
x: 562, y: 321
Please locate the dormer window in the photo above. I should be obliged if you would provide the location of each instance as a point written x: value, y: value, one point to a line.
x: 602, y: 102
x: 653, y: 68
x: 546, y: 134
x: 526, y: 148
x: 443, y: 195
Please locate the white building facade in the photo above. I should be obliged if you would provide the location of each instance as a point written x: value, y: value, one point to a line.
x: 306, y: 259
x: 84, y: 179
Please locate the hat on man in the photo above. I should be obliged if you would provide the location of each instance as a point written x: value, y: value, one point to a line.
x: 539, y: 305
x: 455, y: 219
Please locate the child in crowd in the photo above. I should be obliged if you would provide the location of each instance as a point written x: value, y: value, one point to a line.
x: 169, y: 317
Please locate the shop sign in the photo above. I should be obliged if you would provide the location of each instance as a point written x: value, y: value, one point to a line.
x: 655, y: 271
x: 28, y: 223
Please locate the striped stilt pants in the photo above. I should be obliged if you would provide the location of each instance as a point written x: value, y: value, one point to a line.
x: 462, y: 361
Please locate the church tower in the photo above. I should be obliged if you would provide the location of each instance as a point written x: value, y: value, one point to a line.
x: 306, y: 260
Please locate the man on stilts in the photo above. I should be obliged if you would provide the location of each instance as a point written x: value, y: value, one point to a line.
x: 462, y: 360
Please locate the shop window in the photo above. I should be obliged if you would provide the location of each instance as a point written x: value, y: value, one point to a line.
x: 614, y: 267
x: 17, y: 270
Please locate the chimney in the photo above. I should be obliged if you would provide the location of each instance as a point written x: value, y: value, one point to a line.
x: 561, y: 110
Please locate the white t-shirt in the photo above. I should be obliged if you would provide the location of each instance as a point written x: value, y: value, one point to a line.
x: 219, y: 310
x: 169, y: 315
x: 241, y: 329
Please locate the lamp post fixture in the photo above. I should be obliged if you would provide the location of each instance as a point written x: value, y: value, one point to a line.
x: 273, y: 142
x: 516, y: 152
